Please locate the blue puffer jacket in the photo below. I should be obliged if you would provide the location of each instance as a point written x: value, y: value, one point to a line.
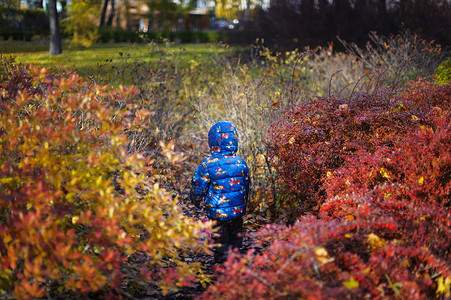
x: 223, y: 178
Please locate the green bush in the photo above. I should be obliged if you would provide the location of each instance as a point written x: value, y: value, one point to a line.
x: 118, y: 35
x: 443, y: 72
x: 29, y: 22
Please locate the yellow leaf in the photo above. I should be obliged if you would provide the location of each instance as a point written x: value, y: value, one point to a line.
x: 426, y: 129
x: 6, y: 239
x: 443, y: 287
x: 421, y: 180
x: 6, y: 180
x: 384, y: 173
x: 73, y: 181
x: 70, y: 196
x: 374, y: 241
x: 351, y: 283
x: 75, y: 219
x: 321, y: 254
x: 291, y: 140
x: 349, y: 217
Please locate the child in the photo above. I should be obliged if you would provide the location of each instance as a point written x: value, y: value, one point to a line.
x: 222, y: 182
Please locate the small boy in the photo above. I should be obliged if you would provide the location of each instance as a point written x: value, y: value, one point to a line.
x: 222, y: 182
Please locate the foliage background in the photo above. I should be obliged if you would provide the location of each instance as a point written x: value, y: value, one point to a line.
x: 324, y: 133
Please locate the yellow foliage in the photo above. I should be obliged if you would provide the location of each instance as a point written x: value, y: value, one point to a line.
x: 443, y: 287
x: 384, y: 173
x: 81, y: 23
x: 374, y: 241
x: 421, y: 180
x: 83, y: 206
x: 351, y: 283
x: 321, y: 254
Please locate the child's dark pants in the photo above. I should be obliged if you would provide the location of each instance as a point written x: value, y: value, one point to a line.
x: 229, y: 237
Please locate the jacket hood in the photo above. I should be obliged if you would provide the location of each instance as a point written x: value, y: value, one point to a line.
x: 223, y: 138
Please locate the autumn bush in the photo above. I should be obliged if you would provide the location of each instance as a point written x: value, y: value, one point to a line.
x: 404, y: 56
x: 376, y: 255
x: 375, y: 193
x: 316, y: 138
x: 81, y: 212
x: 159, y: 88
x: 400, y: 58
x: 418, y: 174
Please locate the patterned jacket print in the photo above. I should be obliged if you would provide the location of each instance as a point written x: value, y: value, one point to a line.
x: 222, y: 179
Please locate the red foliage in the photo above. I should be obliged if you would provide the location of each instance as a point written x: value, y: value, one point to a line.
x: 363, y: 258
x: 378, y: 182
x: 419, y: 174
x: 315, y: 138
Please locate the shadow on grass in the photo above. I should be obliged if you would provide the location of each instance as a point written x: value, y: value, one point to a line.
x: 9, y: 47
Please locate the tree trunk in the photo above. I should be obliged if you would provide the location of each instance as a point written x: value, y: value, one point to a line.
x: 102, y: 17
x: 55, y: 37
x: 247, y: 13
x: 111, y: 16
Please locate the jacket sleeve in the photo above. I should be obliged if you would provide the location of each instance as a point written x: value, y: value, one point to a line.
x: 200, y: 184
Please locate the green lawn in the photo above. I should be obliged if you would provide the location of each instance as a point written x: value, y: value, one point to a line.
x: 87, y: 61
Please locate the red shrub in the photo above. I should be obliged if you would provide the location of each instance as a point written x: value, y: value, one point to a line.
x: 314, y: 139
x: 419, y: 173
x: 373, y: 256
x: 384, y: 221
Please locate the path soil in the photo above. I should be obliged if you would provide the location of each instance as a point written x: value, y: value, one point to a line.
x: 251, y: 224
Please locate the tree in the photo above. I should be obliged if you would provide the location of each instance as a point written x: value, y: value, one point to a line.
x: 109, y: 22
x: 163, y: 12
x: 55, y: 36
x: 9, y: 4
x: 228, y: 9
x: 80, y: 22
x: 103, y: 15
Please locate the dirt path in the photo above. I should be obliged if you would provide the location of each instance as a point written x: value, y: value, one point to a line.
x: 208, y: 261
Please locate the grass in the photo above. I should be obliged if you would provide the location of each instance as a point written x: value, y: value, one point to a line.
x: 86, y: 61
